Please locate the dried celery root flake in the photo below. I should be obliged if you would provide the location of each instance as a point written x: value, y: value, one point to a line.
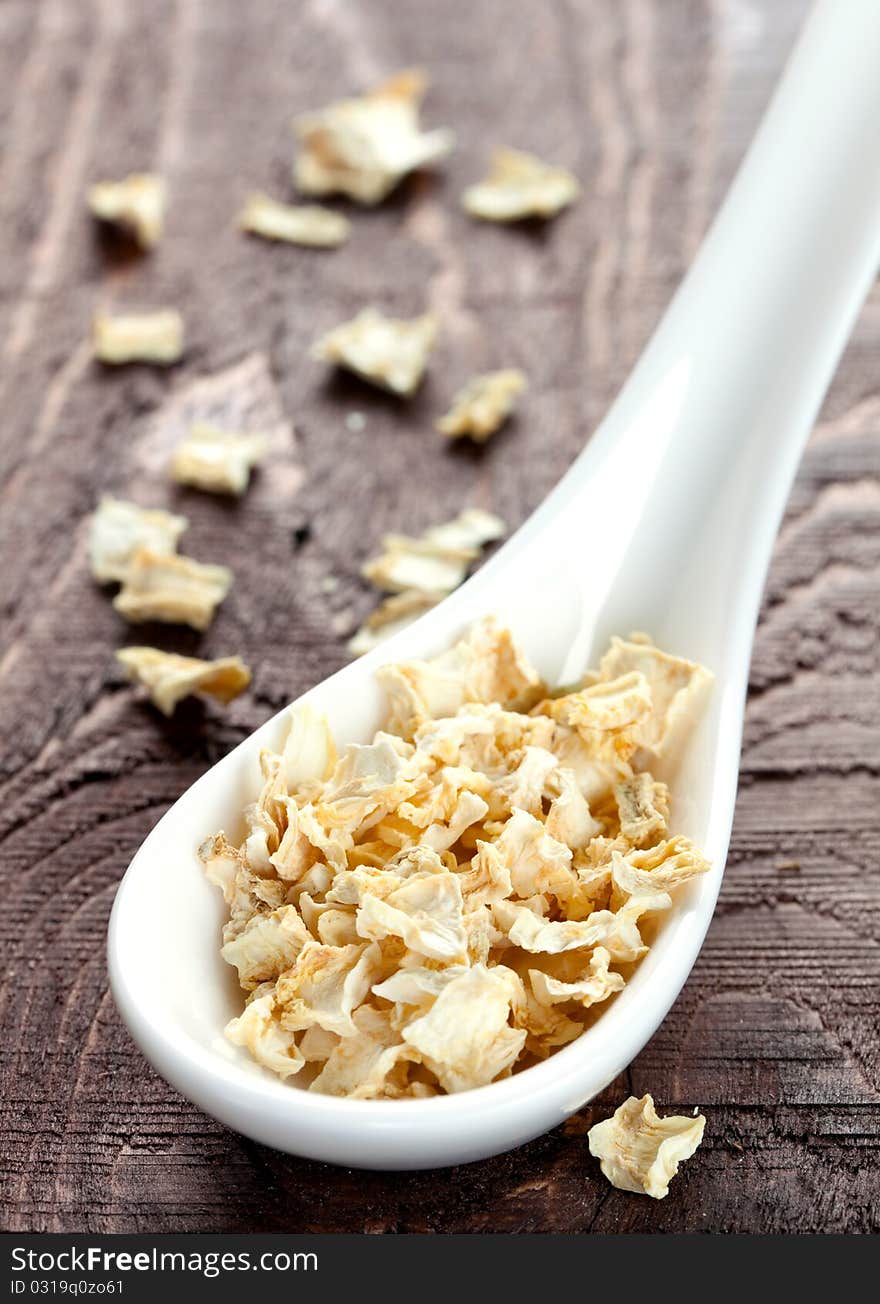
x: 170, y: 678
x: 218, y: 461
x: 300, y: 224
x: 390, y: 617
x: 483, y: 405
x: 119, y: 528
x: 520, y: 185
x: 136, y: 204
x: 362, y: 147
x: 176, y: 590
x: 641, y: 1152
x: 155, y: 337
x: 390, y: 352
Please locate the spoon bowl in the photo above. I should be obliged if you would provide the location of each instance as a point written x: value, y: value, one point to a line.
x: 665, y: 523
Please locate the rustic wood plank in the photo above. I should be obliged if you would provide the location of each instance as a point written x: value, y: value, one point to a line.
x: 775, y: 1035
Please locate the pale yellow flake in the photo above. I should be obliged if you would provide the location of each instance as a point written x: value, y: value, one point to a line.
x: 483, y: 405
x: 170, y: 678
x: 363, y: 147
x: 154, y: 337
x: 259, y: 1031
x: 218, y: 461
x: 176, y: 590
x: 597, y: 984
x: 299, y: 224
x: 641, y: 1152
x: 466, y: 1038
x: 136, y: 204
x: 520, y: 185
x: 119, y: 528
x: 391, y: 352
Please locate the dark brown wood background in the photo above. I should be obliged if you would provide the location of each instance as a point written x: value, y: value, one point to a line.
x: 775, y: 1035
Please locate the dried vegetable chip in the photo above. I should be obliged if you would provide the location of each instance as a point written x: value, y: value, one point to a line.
x: 641, y: 1152
x: 363, y: 147
x: 300, y: 224
x: 419, y: 571
x: 219, y: 461
x: 136, y: 204
x: 155, y: 337
x: 119, y: 529
x: 391, y: 352
x: 176, y: 590
x: 449, y: 903
x: 519, y: 185
x: 483, y: 405
x: 170, y: 678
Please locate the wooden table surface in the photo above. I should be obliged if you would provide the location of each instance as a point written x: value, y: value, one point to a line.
x: 775, y: 1035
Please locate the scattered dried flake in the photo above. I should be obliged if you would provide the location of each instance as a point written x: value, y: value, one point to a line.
x: 363, y: 147
x: 641, y: 1152
x: 155, y: 337
x: 418, y: 572
x: 170, y: 678
x: 391, y: 352
x: 176, y: 590
x: 472, y: 529
x: 519, y: 185
x: 440, y: 907
x: 483, y: 405
x: 219, y: 461
x: 119, y: 529
x: 136, y: 204
x: 389, y: 618
x: 300, y: 224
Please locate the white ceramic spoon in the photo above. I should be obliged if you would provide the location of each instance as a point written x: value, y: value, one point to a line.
x: 664, y: 523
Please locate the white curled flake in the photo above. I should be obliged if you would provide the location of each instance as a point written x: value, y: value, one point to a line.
x: 155, y: 337
x: 218, y: 461
x: 176, y: 590
x: 466, y: 1038
x: 363, y: 147
x: 425, y: 912
x: 678, y: 689
x: 486, y: 666
x: 259, y: 1031
x: 136, y: 205
x: 170, y: 678
x: 325, y: 985
x: 641, y: 1152
x: 596, y: 985
x: 518, y: 186
x: 362, y: 1066
x: 391, y: 352
x: 267, y: 946
x: 120, y: 528
x: 483, y: 405
x: 299, y: 224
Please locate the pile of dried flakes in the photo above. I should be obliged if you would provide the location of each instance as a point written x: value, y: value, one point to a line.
x: 429, y: 912
x: 448, y: 904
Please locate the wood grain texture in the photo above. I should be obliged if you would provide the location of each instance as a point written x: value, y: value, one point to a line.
x: 775, y: 1035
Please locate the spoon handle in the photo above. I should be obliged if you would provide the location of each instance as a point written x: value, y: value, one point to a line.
x: 683, y: 486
